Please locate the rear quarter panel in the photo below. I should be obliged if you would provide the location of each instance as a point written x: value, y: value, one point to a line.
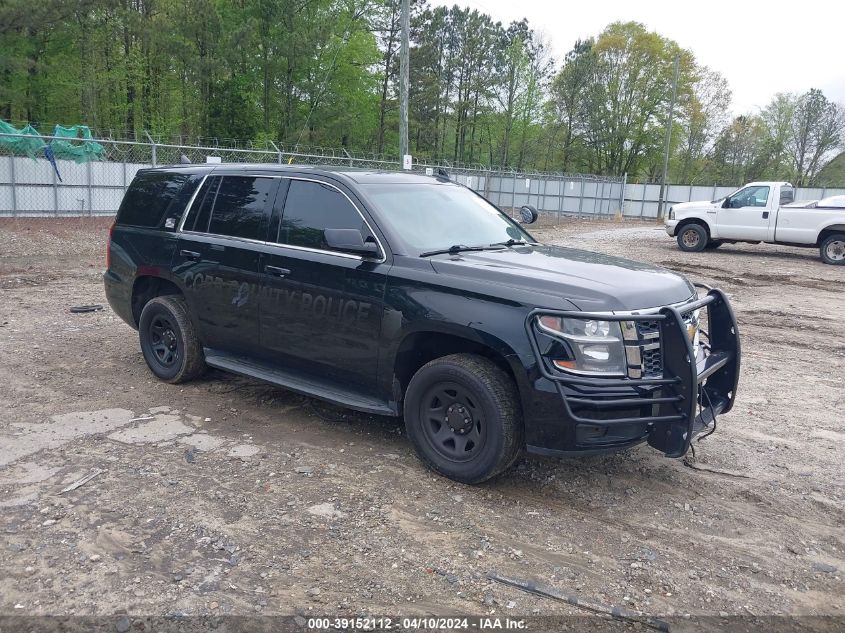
x: 136, y: 252
x: 802, y: 226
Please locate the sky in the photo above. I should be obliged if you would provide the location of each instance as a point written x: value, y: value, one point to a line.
x: 761, y: 48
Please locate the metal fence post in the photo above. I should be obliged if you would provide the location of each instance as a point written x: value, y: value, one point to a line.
x: 513, y: 194
x: 600, y: 200
x: 55, y: 192
x: 153, y: 148
x: 581, y: 198
x: 278, y: 151
x: 561, y: 191
x: 14, y: 186
x: 622, y: 195
x: 89, y: 174
x: 542, y: 200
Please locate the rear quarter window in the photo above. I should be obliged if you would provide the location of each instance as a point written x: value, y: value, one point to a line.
x: 154, y: 196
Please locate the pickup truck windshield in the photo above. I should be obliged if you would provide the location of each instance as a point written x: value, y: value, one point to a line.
x: 429, y: 217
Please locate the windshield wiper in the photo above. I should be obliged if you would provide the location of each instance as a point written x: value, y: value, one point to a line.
x: 460, y: 248
x: 510, y: 242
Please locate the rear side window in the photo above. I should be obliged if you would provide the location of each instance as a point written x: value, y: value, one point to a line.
x: 148, y: 198
x: 200, y: 212
x: 311, y: 208
x: 240, y: 206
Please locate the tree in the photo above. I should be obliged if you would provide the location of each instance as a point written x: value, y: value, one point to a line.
x: 739, y: 149
x: 625, y: 102
x: 703, y: 114
x: 817, y: 131
x: 567, y: 95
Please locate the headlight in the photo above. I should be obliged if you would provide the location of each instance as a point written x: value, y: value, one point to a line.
x: 671, y: 213
x: 587, y: 346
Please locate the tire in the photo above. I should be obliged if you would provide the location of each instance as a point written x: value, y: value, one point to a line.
x: 832, y: 249
x: 713, y: 245
x: 168, y: 340
x: 481, y: 433
x: 692, y: 238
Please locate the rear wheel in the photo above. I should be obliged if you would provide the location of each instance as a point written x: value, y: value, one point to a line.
x: 832, y: 249
x: 168, y: 340
x: 463, y: 416
x: 692, y: 238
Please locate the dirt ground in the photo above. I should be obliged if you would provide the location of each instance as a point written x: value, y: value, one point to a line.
x: 229, y: 496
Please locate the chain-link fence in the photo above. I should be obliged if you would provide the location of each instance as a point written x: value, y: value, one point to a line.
x: 41, y: 187
x: 38, y: 187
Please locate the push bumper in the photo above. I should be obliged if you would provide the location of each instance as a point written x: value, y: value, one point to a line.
x: 667, y: 411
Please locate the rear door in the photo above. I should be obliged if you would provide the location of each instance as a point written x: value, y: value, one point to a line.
x: 747, y: 214
x: 218, y: 255
x: 321, y: 309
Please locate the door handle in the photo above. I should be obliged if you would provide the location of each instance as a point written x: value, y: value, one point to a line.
x: 765, y: 215
x: 192, y: 255
x: 276, y: 271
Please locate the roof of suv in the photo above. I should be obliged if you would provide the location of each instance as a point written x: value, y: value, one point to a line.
x: 353, y: 174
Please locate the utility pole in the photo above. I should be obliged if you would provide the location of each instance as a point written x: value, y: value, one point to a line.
x: 662, y: 200
x: 403, y: 81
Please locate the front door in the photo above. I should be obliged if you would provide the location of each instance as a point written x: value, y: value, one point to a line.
x: 745, y: 214
x: 321, y: 310
x: 218, y: 259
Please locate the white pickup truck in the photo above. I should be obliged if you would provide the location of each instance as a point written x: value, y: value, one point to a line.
x: 762, y: 212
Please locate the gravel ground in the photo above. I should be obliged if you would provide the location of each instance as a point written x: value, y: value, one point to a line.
x: 228, y: 496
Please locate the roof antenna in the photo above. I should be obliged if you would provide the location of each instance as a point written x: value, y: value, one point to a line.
x: 184, y: 160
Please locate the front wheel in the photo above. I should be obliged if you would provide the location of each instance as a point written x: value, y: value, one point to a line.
x: 463, y: 416
x: 832, y: 249
x: 168, y: 340
x: 692, y: 238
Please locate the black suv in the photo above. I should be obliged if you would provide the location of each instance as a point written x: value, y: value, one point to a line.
x: 402, y: 294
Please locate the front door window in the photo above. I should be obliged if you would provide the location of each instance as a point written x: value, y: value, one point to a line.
x: 750, y: 197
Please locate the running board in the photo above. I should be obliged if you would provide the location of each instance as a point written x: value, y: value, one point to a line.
x: 306, y: 385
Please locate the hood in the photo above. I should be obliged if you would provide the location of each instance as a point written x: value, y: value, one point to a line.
x: 699, y: 205
x: 591, y: 281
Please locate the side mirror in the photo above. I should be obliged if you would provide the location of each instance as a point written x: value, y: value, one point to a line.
x: 528, y: 214
x: 350, y: 241
x: 727, y: 203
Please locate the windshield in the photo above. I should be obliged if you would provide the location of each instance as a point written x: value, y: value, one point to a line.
x: 437, y: 215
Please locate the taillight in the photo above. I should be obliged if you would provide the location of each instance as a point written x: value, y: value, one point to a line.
x: 108, y: 248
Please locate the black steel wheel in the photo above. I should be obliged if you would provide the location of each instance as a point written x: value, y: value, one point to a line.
x: 463, y: 415
x: 163, y: 341
x: 168, y: 340
x: 452, y: 423
x: 692, y: 238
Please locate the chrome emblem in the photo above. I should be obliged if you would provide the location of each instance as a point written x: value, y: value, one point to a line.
x: 693, y: 323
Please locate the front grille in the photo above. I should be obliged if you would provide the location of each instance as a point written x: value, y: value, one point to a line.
x: 647, y: 328
x: 652, y: 366
x: 644, y: 355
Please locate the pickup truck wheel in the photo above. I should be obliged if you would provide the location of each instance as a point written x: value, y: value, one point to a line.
x: 832, y: 249
x: 463, y: 416
x: 168, y: 340
x: 692, y: 238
